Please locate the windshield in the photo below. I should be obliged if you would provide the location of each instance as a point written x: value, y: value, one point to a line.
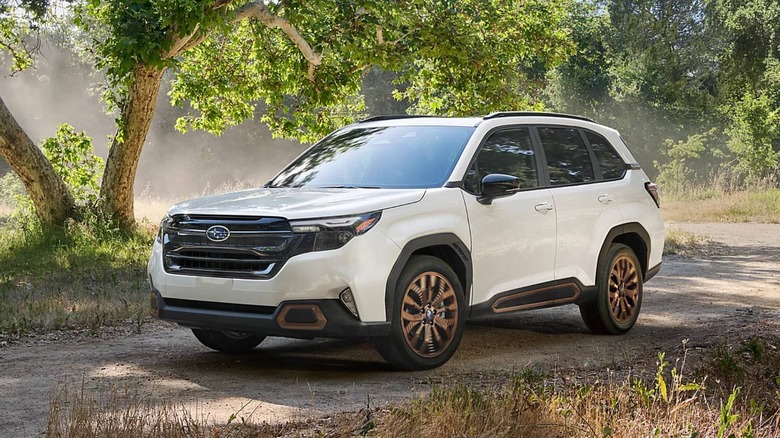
x: 379, y: 157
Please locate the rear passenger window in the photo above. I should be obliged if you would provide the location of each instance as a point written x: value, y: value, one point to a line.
x: 612, y: 166
x: 568, y: 159
x: 508, y: 151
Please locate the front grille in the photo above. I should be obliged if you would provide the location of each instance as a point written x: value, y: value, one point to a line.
x: 256, y: 248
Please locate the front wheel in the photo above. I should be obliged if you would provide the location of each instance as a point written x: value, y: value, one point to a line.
x: 228, y: 342
x: 619, y: 296
x: 428, y: 316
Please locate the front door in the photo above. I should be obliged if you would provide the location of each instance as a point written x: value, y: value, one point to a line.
x: 513, y: 238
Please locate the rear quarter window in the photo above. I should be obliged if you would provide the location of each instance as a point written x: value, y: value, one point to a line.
x: 612, y: 166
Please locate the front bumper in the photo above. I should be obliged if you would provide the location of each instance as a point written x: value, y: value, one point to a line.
x: 304, y: 319
x: 362, y: 265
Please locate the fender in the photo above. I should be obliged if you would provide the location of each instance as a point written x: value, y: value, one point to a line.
x: 441, y: 239
x: 631, y: 227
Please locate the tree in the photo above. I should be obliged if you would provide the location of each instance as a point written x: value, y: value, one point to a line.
x: 646, y: 67
x: 50, y: 196
x: 751, y: 83
x: 305, y: 62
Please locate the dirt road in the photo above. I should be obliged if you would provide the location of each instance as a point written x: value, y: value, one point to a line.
x: 729, y: 291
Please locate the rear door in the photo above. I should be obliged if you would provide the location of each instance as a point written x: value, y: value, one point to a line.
x: 513, y: 238
x: 586, y: 204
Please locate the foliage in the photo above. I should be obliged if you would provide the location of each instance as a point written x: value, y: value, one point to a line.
x: 688, y: 160
x: 663, y: 55
x: 19, y: 19
x: 452, y: 58
x: 485, y: 56
x: 668, y: 73
x: 14, y: 197
x: 754, y: 134
x: 10, y: 188
x: 581, y: 84
x: 139, y: 32
x: 750, y: 54
x: 72, y: 156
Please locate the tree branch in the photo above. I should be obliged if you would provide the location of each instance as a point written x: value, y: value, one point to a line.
x: 180, y: 44
x: 260, y: 11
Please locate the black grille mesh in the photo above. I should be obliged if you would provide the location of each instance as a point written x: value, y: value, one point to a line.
x: 257, y: 247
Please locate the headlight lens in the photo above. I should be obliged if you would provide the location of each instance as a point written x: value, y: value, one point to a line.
x: 332, y: 233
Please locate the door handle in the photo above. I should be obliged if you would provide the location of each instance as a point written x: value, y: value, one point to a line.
x: 543, y: 206
x: 606, y: 199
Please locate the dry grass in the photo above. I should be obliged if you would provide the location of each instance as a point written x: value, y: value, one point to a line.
x: 120, y: 412
x: 707, y: 206
x: 153, y: 209
x: 741, y: 397
x: 79, y: 278
x: 686, y: 244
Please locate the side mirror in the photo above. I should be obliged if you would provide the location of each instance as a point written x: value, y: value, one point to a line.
x: 497, y: 185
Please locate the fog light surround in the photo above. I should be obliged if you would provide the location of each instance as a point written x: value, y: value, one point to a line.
x: 349, y: 302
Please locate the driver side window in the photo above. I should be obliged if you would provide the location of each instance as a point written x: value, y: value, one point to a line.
x: 508, y: 151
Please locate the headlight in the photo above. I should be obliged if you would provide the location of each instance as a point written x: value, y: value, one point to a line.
x: 166, y: 221
x: 333, y: 232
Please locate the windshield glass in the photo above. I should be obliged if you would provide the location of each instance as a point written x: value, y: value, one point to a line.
x: 379, y: 157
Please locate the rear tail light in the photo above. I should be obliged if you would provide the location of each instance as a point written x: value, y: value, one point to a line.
x: 652, y: 189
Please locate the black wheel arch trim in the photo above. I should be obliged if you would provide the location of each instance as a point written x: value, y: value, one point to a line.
x: 445, y: 239
x: 628, y: 228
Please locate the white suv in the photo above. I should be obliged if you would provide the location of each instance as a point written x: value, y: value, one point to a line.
x: 402, y: 228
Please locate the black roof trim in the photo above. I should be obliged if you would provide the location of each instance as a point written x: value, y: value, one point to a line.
x: 535, y: 114
x: 391, y: 117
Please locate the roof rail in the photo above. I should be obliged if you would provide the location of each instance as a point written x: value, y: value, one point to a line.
x: 535, y: 113
x: 399, y: 116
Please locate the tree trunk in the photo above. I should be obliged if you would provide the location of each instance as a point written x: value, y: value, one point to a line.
x: 116, y: 191
x: 50, y: 196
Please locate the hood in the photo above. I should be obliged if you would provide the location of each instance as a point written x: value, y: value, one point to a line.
x: 299, y: 203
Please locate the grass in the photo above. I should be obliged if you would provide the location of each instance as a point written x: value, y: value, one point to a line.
x: 76, y: 278
x: 741, y: 398
x: 683, y: 243
x: 716, y: 206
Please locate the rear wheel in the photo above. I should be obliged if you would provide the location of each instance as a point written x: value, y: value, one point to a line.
x: 228, y: 342
x: 619, y: 297
x: 428, y: 316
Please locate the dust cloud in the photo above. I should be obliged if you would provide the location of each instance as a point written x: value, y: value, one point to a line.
x: 173, y: 165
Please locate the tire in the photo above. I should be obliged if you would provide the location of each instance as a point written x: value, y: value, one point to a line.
x: 429, y: 315
x: 228, y: 342
x: 619, y: 297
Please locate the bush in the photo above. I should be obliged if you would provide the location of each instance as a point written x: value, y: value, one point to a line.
x: 72, y: 156
x: 754, y: 135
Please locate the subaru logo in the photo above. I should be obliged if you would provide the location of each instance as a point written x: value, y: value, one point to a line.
x: 217, y: 233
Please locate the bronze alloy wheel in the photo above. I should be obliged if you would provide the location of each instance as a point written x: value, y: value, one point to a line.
x: 623, y: 289
x: 429, y: 314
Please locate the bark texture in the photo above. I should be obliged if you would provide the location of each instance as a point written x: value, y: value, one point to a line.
x: 116, y: 191
x: 50, y: 196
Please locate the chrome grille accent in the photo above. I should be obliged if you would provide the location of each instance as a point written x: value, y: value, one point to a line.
x: 256, y: 249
